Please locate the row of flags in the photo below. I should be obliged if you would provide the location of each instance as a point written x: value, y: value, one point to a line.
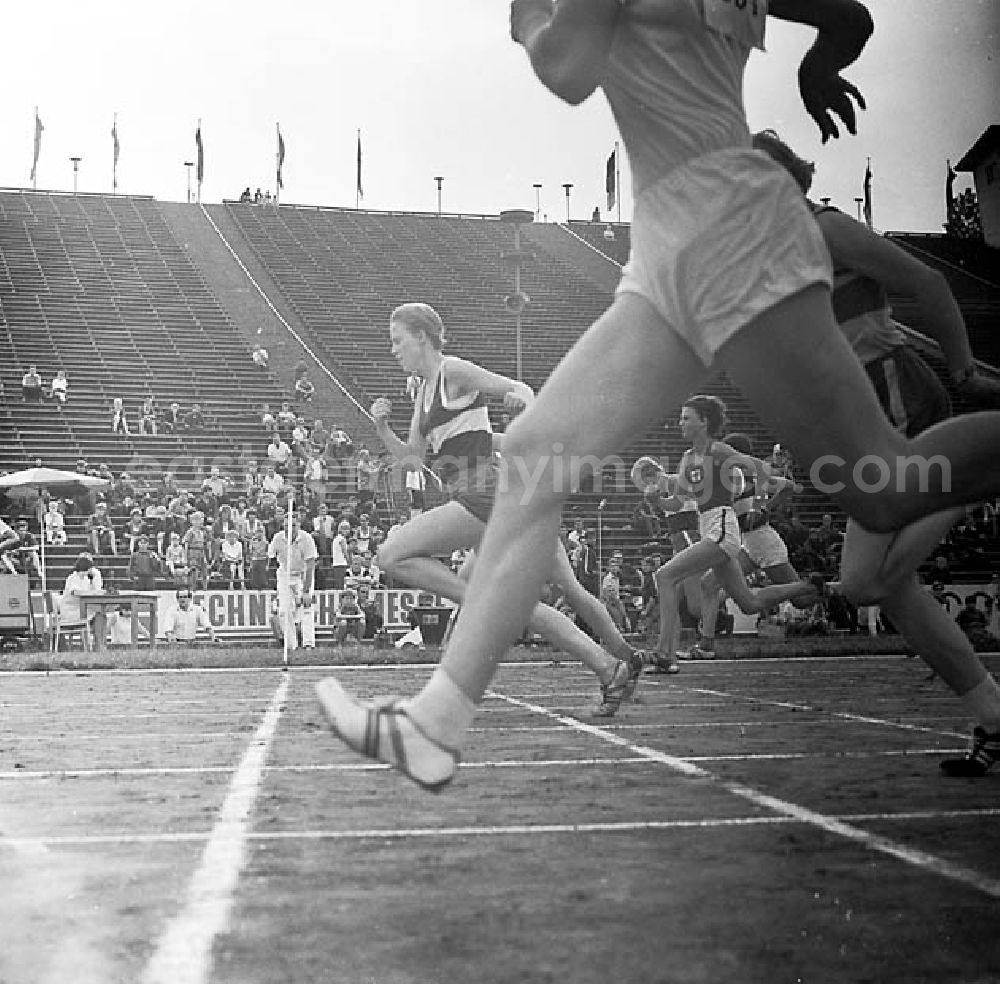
x: 200, y: 158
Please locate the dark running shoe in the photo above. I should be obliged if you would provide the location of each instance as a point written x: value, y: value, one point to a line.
x: 613, y: 692
x: 636, y: 663
x: 984, y: 751
x: 660, y: 663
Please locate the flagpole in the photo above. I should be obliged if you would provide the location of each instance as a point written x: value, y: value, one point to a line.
x: 618, y: 183
x: 114, y: 155
x: 357, y: 184
x: 201, y: 160
x: 277, y: 166
x: 289, y: 626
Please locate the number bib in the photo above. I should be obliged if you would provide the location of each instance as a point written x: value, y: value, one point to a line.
x: 741, y: 20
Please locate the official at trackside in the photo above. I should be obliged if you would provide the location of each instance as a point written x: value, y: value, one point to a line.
x: 183, y: 622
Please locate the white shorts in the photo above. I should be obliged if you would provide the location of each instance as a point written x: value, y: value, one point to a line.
x: 720, y: 525
x: 765, y: 547
x: 718, y: 241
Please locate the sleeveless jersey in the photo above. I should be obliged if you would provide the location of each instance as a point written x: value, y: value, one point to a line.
x: 707, y: 483
x: 861, y: 307
x: 676, y: 86
x: 459, y: 431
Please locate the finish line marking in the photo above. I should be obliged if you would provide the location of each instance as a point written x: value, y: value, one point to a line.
x: 408, y: 833
x: 874, y: 842
x: 184, y: 953
x: 194, y: 770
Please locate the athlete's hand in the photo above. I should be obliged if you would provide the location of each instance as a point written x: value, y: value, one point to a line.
x: 381, y: 409
x: 513, y: 402
x: 980, y: 390
x: 825, y: 93
x: 645, y: 472
x: 525, y: 15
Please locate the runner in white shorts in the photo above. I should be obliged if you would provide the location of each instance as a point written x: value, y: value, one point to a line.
x: 728, y: 272
x: 763, y: 549
x: 712, y: 473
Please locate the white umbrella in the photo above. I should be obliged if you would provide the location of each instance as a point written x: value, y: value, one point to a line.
x: 53, y: 479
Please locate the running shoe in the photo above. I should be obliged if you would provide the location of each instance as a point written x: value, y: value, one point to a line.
x: 385, y: 732
x: 661, y: 663
x: 984, y: 751
x: 699, y: 652
x: 636, y: 662
x: 614, y: 691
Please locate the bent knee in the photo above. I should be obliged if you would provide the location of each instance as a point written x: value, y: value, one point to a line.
x: 861, y: 588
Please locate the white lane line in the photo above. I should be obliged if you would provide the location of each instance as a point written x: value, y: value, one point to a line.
x: 404, y: 833
x: 183, y: 955
x: 875, y: 842
x: 843, y: 715
x: 194, y: 770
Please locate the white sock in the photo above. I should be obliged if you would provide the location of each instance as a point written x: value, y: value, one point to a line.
x: 983, y: 703
x: 442, y: 711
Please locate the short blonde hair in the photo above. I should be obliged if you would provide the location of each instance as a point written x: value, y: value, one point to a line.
x: 420, y: 317
x: 801, y: 170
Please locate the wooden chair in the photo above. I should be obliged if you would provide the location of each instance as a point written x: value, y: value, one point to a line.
x: 58, y: 626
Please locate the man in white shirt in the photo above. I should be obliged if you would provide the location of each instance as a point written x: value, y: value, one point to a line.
x: 183, y: 622
x: 296, y: 572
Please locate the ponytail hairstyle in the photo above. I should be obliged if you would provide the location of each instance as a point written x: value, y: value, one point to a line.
x: 739, y: 442
x: 710, y: 409
x: 417, y: 317
x: 801, y: 170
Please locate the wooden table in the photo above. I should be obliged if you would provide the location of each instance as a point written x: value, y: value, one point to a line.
x: 134, y: 601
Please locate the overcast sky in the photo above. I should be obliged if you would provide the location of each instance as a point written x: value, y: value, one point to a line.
x: 437, y: 88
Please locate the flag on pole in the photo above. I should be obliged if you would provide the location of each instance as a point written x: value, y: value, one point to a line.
x: 949, y: 192
x: 281, y: 157
x: 116, y: 149
x: 38, y: 144
x: 868, y: 194
x: 360, y: 189
x: 610, y: 179
x: 201, y: 154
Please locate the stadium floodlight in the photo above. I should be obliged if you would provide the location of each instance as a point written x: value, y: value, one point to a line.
x: 568, y: 188
x: 440, y: 181
x: 538, y: 199
x: 516, y: 303
x: 189, y: 165
x: 76, y: 170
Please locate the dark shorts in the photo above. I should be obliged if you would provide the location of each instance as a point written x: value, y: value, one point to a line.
x: 909, y: 391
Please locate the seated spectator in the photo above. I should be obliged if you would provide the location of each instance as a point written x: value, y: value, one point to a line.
x: 59, y: 388
x: 267, y: 419
x: 147, y: 417
x: 84, y: 579
x: 279, y: 454
x: 260, y: 356
x: 363, y: 534
x: 31, y: 386
x: 55, y: 524
x: 371, y: 610
x: 24, y: 553
x: 175, y: 558
x: 135, y: 529
x: 119, y: 421
x: 143, y: 566
x: 183, y: 622
x: 304, y: 390
x: 348, y: 618
x: 154, y: 512
x: 340, y: 443
x: 217, y: 483
x: 100, y: 531
x: 231, y: 562
x: 173, y: 419
x: 340, y: 555
x: 194, y: 419
x: 324, y: 528
x: 319, y: 435
x: 824, y: 536
x: 272, y: 483
x: 359, y: 573
x: 256, y: 558
x: 251, y: 480
x: 947, y: 599
x: 975, y: 624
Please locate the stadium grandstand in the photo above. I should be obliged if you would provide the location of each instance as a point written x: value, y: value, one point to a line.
x: 135, y: 298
